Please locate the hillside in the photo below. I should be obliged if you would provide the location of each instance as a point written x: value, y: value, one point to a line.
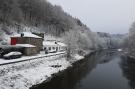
x: 34, y: 13
x: 41, y: 16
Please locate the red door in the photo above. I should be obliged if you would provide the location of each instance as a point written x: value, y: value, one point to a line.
x: 13, y: 41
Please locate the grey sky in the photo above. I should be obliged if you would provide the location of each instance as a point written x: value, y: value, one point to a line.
x: 114, y: 16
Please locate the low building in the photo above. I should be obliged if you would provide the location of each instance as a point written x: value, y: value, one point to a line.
x: 28, y: 38
x: 28, y: 49
x: 53, y: 46
x: 50, y: 46
x: 62, y: 46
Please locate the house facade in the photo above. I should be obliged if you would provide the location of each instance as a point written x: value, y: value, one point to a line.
x: 28, y: 38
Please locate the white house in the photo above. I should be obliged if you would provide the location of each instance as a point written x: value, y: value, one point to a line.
x: 53, y: 46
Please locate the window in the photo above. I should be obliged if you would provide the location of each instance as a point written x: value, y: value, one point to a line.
x: 53, y: 48
x: 49, y: 48
x: 56, y: 48
x: 45, y: 48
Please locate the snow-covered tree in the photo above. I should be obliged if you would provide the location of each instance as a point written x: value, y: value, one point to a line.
x: 130, y: 41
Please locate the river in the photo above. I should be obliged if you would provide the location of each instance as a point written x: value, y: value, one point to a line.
x: 101, y: 70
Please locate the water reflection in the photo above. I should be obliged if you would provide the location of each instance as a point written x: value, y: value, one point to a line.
x: 128, y: 68
x: 72, y: 78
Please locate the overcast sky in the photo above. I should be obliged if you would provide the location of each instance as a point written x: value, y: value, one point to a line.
x: 114, y: 16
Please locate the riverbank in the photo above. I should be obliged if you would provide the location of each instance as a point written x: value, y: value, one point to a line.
x: 33, y: 72
x: 25, y: 74
x: 126, y: 53
x: 90, y: 72
x: 75, y: 60
x: 131, y: 57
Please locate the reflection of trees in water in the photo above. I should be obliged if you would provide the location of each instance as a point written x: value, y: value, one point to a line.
x: 71, y: 77
x: 128, y: 67
x: 105, y: 56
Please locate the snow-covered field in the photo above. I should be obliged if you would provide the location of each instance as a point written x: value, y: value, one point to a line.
x: 24, y: 75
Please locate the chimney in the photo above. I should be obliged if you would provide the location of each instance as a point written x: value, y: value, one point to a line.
x: 22, y: 34
x: 55, y: 42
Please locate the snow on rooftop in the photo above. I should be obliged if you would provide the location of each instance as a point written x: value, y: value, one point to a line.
x: 61, y: 44
x: 50, y: 43
x: 53, y: 43
x: 27, y: 34
x: 51, y: 38
x: 9, y: 46
x: 25, y: 45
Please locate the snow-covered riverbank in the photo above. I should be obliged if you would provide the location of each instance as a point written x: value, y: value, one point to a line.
x: 26, y: 74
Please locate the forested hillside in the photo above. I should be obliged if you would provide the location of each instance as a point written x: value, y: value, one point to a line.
x: 41, y: 16
x: 37, y: 13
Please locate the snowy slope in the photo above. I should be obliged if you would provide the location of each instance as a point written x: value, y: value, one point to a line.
x: 25, y: 75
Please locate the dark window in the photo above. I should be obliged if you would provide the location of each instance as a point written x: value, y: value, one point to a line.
x: 53, y: 48
x: 49, y: 48
x: 56, y: 48
x: 45, y: 48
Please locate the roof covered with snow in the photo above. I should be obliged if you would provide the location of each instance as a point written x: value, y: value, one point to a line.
x: 9, y: 46
x: 61, y: 44
x: 51, y: 38
x: 27, y: 34
x: 50, y: 43
x: 25, y: 45
x: 53, y: 43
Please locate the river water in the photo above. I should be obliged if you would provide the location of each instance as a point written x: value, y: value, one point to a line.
x: 101, y: 70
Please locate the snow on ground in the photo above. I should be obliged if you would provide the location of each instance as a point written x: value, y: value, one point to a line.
x: 119, y: 50
x: 78, y: 57
x: 25, y: 74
